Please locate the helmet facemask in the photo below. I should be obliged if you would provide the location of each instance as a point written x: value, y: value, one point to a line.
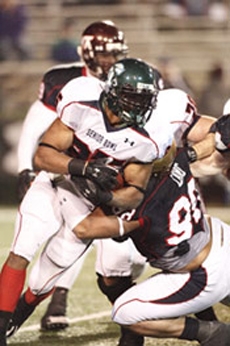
x: 131, y: 91
x: 132, y: 107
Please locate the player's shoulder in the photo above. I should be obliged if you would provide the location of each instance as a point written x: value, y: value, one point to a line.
x: 174, y: 103
x: 84, y: 82
x: 171, y: 106
x: 58, y: 67
x: 83, y: 88
x: 172, y: 95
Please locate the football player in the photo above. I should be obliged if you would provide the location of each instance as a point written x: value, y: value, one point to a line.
x: 176, y: 112
x: 190, y: 248
x: 102, y: 44
x: 98, y: 124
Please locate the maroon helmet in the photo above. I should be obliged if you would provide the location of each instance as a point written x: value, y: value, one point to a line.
x: 102, y: 38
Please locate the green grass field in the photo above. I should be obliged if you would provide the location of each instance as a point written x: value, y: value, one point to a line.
x: 88, y: 309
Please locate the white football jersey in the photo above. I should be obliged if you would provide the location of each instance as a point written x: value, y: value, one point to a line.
x: 175, y: 112
x: 78, y: 108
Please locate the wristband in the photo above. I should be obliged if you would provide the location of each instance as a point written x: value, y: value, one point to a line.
x: 192, y: 155
x: 76, y: 167
x: 141, y: 222
x: 121, y: 227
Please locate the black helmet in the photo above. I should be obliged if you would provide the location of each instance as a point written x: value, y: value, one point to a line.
x: 131, y: 91
x: 105, y: 38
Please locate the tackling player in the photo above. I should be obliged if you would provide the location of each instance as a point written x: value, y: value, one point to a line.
x: 191, y: 249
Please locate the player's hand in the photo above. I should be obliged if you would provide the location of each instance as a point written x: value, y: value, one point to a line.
x: 102, y: 173
x: 222, y: 135
x: 99, y: 171
x: 92, y: 191
x: 25, y: 178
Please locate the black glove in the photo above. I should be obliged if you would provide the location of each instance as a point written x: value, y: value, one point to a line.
x: 222, y: 136
x: 25, y: 178
x: 92, y: 191
x: 98, y: 171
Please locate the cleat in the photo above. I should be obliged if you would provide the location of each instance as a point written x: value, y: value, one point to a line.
x: 214, y: 333
x: 55, y: 317
x: 54, y: 323
x: 129, y: 338
x: 20, y: 315
x: 207, y: 315
x: 12, y: 329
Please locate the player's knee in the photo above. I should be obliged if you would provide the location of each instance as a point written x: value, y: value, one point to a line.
x: 113, y: 291
x: 17, y: 262
x: 121, y: 313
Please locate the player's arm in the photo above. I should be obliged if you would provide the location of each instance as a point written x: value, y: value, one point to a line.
x: 37, y: 120
x: 205, y: 147
x: 98, y: 225
x: 125, y: 197
x: 219, y: 159
x: 136, y: 177
x: 200, y: 129
x: 49, y: 155
x: 212, y: 165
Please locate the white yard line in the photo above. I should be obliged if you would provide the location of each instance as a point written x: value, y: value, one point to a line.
x: 89, y: 317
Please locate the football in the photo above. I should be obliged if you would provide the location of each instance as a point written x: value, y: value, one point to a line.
x: 120, y: 181
x: 119, y: 177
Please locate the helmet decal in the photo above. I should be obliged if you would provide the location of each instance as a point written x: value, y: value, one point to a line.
x: 141, y: 86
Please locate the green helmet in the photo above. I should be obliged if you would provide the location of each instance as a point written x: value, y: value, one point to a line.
x: 131, y: 91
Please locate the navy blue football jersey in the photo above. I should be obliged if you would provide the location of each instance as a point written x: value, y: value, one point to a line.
x: 175, y: 229
x: 55, y: 79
